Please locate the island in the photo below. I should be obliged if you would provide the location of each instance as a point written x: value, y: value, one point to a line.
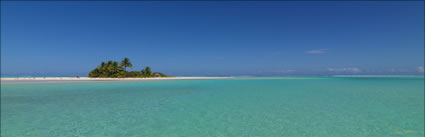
x: 106, y: 71
x: 113, y: 69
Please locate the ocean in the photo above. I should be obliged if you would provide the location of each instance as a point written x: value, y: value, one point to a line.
x: 249, y: 107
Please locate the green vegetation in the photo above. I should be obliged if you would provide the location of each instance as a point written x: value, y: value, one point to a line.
x: 147, y: 71
x: 113, y: 69
x: 126, y: 63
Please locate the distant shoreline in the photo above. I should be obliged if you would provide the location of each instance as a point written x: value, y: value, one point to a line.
x: 35, y: 80
x: 41, y: 80
x: 104, y: 79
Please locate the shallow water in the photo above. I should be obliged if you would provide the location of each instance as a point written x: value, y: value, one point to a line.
x: 322, y: 106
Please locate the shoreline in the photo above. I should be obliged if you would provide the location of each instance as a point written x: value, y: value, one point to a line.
x: 41, y: 80
x: 183, y: 77
x: 104, y: 79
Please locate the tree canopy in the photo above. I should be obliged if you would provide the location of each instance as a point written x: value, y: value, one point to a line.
x: 126, y: 63
x: 113, y: 69
x: 147, y: 71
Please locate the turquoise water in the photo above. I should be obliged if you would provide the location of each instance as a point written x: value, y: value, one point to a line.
x: 293, y: 107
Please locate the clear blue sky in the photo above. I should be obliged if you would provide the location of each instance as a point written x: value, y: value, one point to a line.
x: 214, y: 38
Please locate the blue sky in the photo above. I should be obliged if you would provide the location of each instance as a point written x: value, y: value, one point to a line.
x: 214, y: 38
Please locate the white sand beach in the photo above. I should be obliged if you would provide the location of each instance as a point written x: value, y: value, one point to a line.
x: 108, y: 79
x: 17, y: 80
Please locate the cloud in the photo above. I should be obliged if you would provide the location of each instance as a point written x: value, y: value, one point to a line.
x: 420, y: 69
x: 350, y: 69
x: 317, y: 51
x: 395, y: 70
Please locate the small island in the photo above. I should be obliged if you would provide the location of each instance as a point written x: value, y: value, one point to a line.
x: 113, y: 69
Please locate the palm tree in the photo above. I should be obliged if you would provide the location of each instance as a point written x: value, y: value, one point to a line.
x: 102, y: 65
x: 114, y: 69
x: 143, y: 72
x: 148, y: 71
x: 126, y: 63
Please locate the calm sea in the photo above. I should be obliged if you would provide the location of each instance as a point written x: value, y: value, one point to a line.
x: 263, y: 107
